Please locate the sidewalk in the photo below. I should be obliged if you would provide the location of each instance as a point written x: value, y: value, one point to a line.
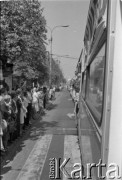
x: 12, y: 147
x: 54, y: 136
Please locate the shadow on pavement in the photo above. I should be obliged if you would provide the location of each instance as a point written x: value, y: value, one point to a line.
x: 51, y: 106
x: 37, y: 129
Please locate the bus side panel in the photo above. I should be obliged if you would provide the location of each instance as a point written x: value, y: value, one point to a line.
x: 115, y: 131
x: 89, y: 143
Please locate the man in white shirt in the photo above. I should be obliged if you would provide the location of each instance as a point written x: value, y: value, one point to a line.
x: 29, y: 108
x: 35, y: 100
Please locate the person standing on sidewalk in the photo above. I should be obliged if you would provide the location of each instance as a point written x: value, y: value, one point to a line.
x: 25, y: 104
x: 6, y: 117
x: 51, y: 93
x: 19, y: 105
x: 3, y: 126
x: 76, y: 101
x: 54, y: 92
x: 23, y: 112
x: 13, y: 122
x: 29, y: 108
x: 44, y: 97
x: 3, y: 123
x: 35, y: 100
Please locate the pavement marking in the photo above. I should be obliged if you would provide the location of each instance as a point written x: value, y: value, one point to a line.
x: 71, y: 115
x: 72, y: 151
x: 70, y: 99
x: 35, y: 162
x: 62, y: 131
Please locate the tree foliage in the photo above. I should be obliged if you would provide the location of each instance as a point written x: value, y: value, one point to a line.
x: 23, y: 36
x: 57, y: 75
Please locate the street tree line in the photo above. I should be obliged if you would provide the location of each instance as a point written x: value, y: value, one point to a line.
x: 23, y: 41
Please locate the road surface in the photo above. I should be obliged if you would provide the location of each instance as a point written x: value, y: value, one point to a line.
x: 50, y: 141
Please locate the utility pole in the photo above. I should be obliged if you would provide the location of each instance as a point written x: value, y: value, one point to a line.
x: 51, y: 41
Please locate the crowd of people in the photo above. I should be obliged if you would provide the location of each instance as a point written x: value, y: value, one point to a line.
x: 18, y: 108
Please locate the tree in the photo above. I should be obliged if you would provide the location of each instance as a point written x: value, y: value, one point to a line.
x: 23, y: 36
x: 57, y: 76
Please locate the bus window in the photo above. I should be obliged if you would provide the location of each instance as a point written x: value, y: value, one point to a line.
x: 95, y: 84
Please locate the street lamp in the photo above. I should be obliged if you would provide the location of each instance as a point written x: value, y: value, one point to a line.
x: 51, y: 40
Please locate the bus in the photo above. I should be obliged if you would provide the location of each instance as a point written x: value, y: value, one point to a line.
x: 100, y: 114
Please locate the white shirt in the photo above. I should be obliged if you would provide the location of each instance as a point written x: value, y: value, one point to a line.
x: 35, y: 97
x: 77, y: 96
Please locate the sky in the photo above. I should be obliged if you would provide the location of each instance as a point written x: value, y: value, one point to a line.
x: 68, y: 40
